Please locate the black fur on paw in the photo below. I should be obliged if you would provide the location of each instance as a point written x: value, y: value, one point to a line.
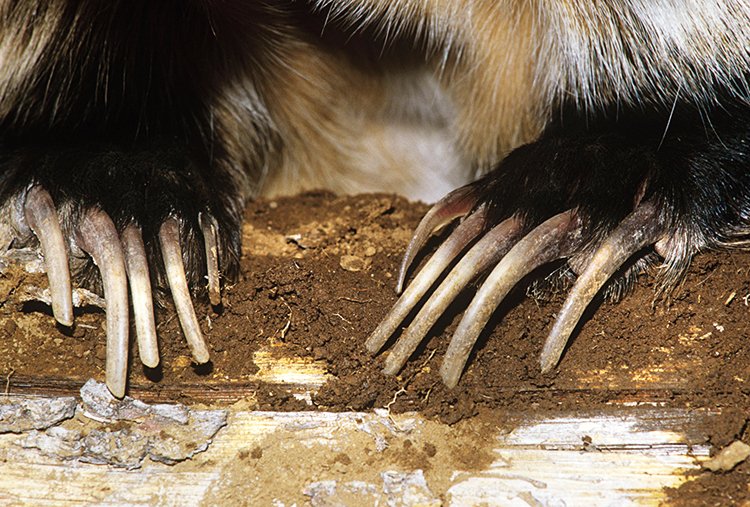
x: 107, y: 218
x: 607, y: 196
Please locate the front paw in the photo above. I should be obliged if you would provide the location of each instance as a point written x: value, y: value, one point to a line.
x: 110, y: 220
x: 606, y: 207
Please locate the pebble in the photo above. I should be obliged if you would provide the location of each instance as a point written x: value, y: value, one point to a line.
x: 352, y: 263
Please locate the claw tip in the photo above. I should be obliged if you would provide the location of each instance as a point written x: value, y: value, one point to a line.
x: 150, y: 362
x: 372, y: 345
x: 548, y: 363
x: 116, y: 388
x: 66, y: 319
x: 450, y: 374
x: 391, y: 367
x: 201, y: 357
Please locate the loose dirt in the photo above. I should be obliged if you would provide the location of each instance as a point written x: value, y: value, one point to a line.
x: 318, y: 274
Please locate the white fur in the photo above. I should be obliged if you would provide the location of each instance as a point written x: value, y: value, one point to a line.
x: 595, y: 51
x: 643, y: 50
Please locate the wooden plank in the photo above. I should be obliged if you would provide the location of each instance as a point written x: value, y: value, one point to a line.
x: 615, y: 459
x: 626, y: 455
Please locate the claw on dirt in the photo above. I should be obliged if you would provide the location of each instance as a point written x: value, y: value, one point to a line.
x: 639, y: 229
x: 169, y: 239
x: 209, y: 227
x: 488, y: 250
x: 454, y: 205
x: 462, y: 236
x: 98, y: 237
x: 40, y: 214
x: 551, y: 240
x: 136, y: 263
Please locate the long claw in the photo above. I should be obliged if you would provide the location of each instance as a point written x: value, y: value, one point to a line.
x: 639, y: 229
x: 140, y: 294
x: 169, y: 239
x: 209, y: 226
x: 453, y: 245
x: 456, y: 204
x: 549, y: 241
x: 39, y: 211
x: 483, y: 254
x: 98, y: 237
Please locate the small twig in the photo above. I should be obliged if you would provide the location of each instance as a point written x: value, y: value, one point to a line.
x: 402, y: 389
x: 429, y: 392
x: 359, y: 301
x: 288, y: 324
x: 7, y: 382
x: 424, y: 364
x: 730, y: 298
x: 341, y: 317
x: 286, y: 327
x: 388, y: 409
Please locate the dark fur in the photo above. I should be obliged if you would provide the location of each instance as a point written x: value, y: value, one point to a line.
x: 696, y: 166
x: 155, y: 108
x: 122, y: 109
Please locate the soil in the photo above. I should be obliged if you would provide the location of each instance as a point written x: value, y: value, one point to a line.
x: 318, y: 275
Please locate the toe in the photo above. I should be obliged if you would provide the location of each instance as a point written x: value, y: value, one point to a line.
x: 97, y: 236
x: 169, y: 239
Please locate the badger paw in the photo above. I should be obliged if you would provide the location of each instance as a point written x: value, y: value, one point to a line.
x: 603, y: 206
x: 116, y: 236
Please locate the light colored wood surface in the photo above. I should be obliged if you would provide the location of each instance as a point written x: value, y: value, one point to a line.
x: 624, y: 456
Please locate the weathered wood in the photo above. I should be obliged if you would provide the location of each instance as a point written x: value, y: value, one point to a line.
x: 622, y: 453
x: 626, y: 455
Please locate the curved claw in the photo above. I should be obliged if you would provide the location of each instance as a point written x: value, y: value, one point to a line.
x: 40, y: 214
x: 122, y: 261
x: 209, y: 227
x: 454, y: 205
x: 551, y: 240
x: 169, y: 239
x: 453, y: 245
x: 639, y: 229
x: 97, y: 236
x: 483, y: 254
x: 140, y: 294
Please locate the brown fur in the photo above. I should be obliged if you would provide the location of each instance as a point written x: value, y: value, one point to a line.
x: 507, y: 64
x: 442, y: 87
